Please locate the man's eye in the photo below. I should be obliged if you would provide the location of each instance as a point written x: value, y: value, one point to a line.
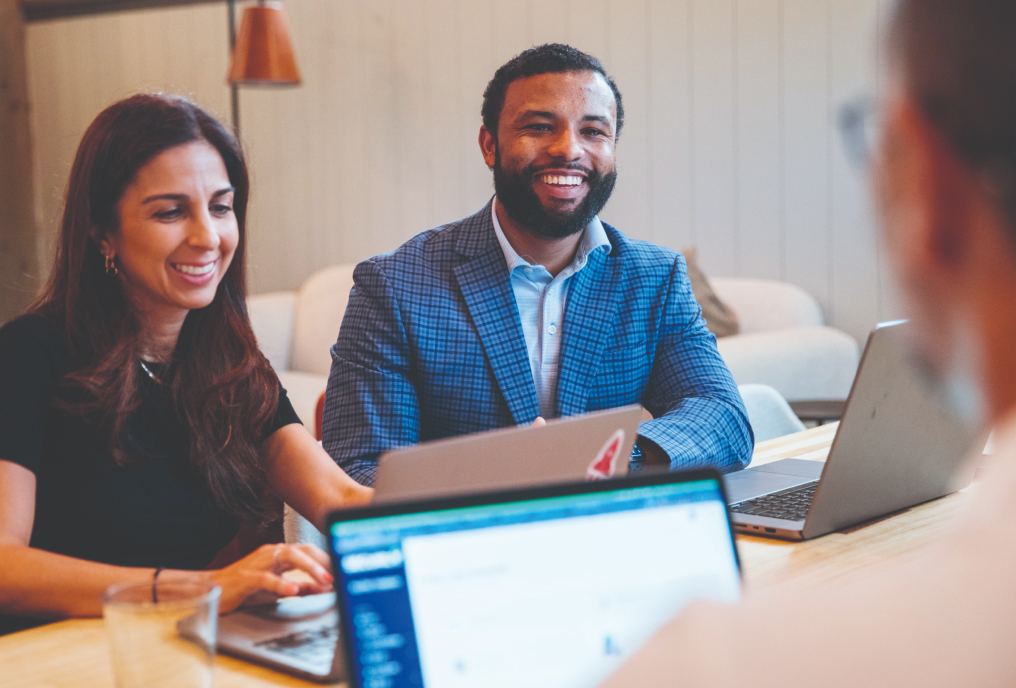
x: 595, y: 132
x: 538, y: 127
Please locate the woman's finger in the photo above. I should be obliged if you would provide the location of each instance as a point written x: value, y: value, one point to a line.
x: 315, y: 553
x: 295, y: 557
x: 277, y: 584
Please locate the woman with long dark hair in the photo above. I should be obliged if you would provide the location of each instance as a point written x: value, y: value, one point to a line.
x: 140, y: 425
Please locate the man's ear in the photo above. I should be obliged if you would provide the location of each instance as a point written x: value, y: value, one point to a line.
x: 488, y: 146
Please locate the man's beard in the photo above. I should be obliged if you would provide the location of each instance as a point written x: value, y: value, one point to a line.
x: 515, y: 192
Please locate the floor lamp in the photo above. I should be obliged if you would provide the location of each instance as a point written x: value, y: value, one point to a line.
x: 262, y: 52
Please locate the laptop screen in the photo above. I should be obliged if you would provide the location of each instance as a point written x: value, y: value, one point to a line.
x: 555, y: 589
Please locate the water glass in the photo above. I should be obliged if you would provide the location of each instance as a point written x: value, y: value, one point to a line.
x: 162, y: 635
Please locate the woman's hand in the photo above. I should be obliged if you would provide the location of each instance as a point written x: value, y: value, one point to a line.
x: 262, y: 570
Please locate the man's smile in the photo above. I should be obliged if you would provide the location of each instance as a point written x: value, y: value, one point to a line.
x: 560, y: 180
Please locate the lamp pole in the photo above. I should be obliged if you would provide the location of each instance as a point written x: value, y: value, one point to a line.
x: 234, y: 90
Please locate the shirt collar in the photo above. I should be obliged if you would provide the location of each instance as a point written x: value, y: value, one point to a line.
x: 594, y: 236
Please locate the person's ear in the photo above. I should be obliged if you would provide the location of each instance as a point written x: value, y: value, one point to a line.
x: 488, y: 146
x: 101, y: 240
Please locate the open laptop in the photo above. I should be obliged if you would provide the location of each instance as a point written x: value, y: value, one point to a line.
x: 564, y: 450
x: 300, y: 635
x: 896, y: 446
x: 549, y: 586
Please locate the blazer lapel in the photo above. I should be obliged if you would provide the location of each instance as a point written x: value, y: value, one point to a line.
x: 592, y: 302
x: 486, y: 289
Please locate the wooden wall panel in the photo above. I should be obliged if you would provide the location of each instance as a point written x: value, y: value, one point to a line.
x: 629, y: 207
x: 79, y: 66
x: 730, y: 141
x: 587, y: 26
x: 669, y: 114
x: 451, y: 129
x: 19, y: 255
x: 714, y: 185
x: 759, y: 135
x: 853, y: 250
x: 807, y: 135
x: 549, y: 21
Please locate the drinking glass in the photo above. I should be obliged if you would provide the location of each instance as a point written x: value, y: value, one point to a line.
x: 162, y: 635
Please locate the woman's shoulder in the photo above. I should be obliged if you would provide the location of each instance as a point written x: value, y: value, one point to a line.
x: 34, y: 337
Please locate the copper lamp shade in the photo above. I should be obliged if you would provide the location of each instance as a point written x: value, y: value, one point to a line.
x: 263, y: 55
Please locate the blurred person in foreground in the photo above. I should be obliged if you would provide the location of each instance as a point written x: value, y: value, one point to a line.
x: 945, y: 175
x: 140, y: 425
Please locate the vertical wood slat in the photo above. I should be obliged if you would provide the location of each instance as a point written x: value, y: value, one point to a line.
x: 629, y: 208
x: 587, y: 26
x: 807, y: 125
x: 853, y: 250
x: 19, y: 259
x: 714, y: 143
x: 477, y: 31
x: 669, y: 105
x: 549, y: 21
x: 447, y: 113
x: 757, y: 96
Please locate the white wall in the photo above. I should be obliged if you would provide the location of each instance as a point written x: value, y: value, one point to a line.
x: 730, y: 141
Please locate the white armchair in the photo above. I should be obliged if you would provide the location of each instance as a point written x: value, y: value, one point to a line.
x: 784, y: 342
x: 296, y: 330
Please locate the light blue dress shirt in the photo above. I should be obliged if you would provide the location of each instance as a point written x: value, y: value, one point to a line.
x: 542, y: 299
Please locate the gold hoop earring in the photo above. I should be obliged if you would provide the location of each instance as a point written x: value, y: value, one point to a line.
x: 110, y: 265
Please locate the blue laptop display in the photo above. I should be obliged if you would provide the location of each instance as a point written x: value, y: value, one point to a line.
x: 551, y: 586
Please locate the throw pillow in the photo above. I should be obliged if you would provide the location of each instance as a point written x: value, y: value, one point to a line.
x: 720, y: 318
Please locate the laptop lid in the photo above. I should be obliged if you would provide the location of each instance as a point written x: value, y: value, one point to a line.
x: 563, y: 450
x: 897, y: 444
x: 547, y: 586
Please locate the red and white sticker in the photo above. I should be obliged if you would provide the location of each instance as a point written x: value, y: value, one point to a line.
x: 605, y: 463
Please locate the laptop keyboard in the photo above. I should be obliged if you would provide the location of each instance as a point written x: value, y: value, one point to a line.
x: 790, y: 504
x: 316, y: 646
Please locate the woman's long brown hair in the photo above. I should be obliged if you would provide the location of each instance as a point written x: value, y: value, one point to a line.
x: 223, y: 390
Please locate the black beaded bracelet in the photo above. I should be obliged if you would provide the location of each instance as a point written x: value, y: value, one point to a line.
x: 155, y: 578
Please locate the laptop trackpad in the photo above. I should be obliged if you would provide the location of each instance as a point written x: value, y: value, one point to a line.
x: 770, y: 477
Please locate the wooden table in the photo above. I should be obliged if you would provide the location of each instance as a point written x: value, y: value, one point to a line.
x: 75, y: 653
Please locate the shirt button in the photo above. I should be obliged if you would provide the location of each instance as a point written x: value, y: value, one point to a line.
x: 552, y: 329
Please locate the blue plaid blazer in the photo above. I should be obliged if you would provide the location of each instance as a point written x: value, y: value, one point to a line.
x: 431, y: 346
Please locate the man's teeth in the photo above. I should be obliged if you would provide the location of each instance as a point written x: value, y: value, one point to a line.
x: 194, y: 269
x: 558, y: 180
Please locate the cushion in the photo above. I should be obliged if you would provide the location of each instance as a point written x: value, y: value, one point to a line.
x: 720, y: 318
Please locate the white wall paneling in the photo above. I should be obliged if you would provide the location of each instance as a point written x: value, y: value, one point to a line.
x: 730, y: 140
x: 757, y: 95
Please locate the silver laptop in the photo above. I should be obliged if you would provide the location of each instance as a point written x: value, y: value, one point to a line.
x: 590, y: 445
x: 300, y: 635
x: 896, y: 446
x: 546, y: 587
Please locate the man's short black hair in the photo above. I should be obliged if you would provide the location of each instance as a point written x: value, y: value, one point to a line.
x: 958, y: 61
x: 550, y: 58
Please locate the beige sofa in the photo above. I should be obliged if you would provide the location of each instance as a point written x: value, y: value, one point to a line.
x: 783, y: 341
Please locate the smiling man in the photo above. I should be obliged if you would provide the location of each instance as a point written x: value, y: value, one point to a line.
x: 532, y: 307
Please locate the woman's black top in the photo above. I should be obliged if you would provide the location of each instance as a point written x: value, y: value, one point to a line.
x: 152, y: 512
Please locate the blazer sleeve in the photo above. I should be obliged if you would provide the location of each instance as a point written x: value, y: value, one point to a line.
x: 699, y: 418
x: 371, y: 402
